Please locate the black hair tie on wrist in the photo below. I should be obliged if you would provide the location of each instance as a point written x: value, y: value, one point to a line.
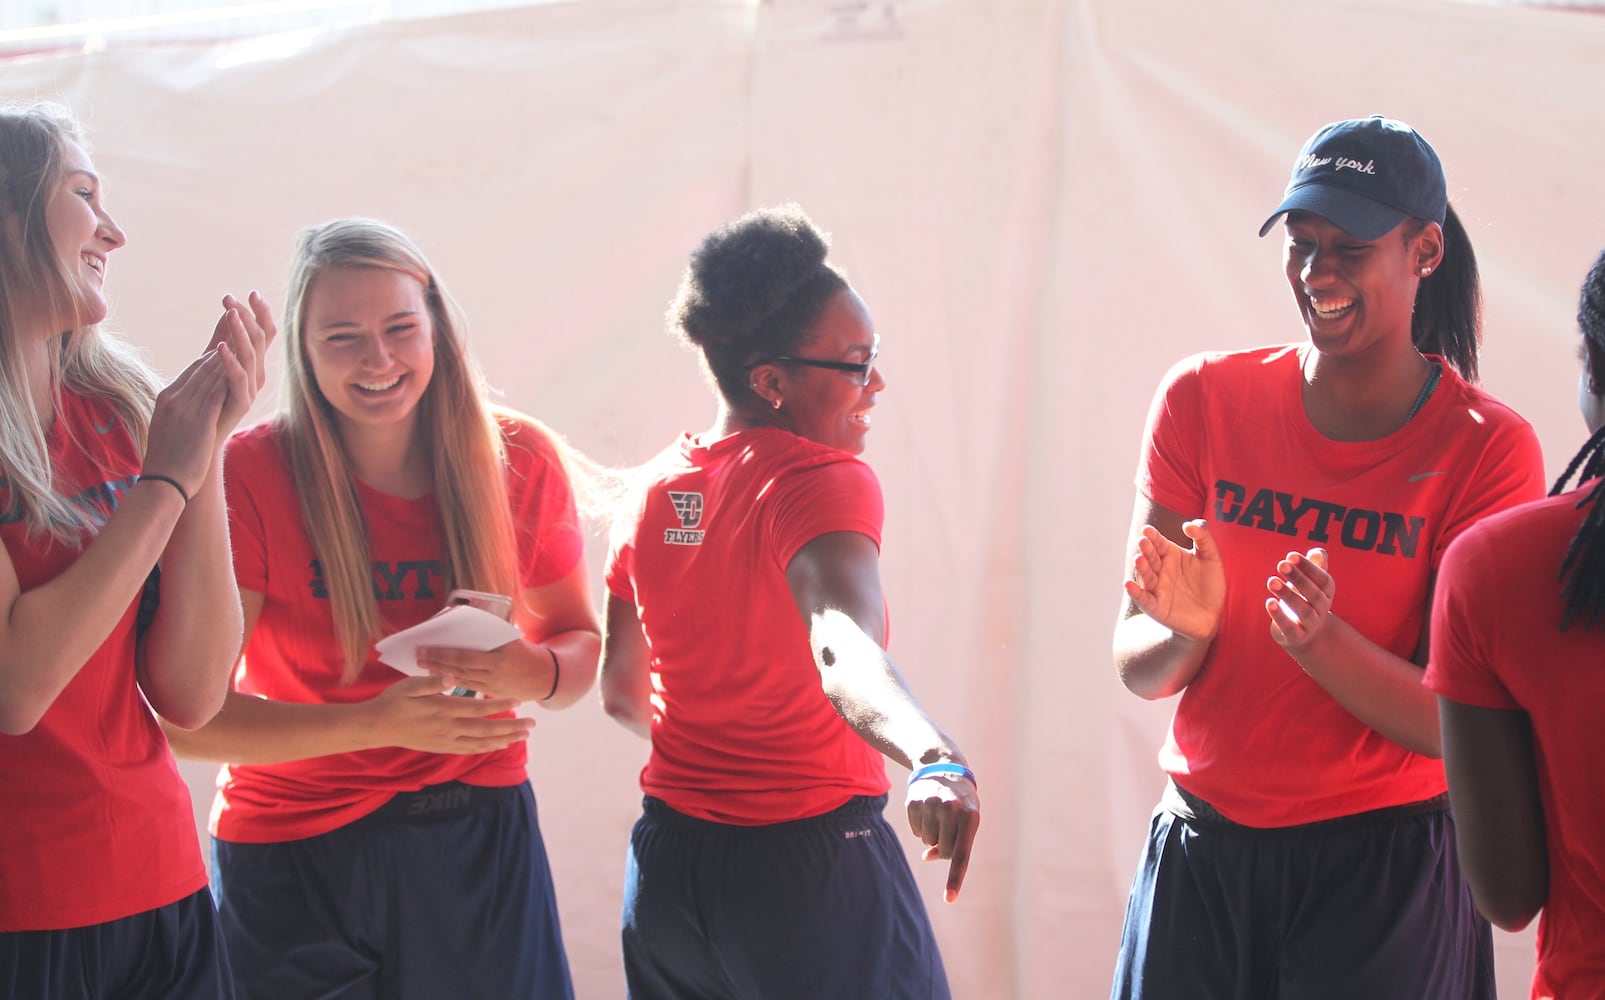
x: 169, y: 480
x: 557, y: 673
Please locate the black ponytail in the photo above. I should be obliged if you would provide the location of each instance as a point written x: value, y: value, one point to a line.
x: 1448, y: 311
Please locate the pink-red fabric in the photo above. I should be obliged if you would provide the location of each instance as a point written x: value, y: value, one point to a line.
x: 1496, y: 643
x: 742, y: 732
x: 294, y: 656
x: 1228, y: 440
x: 98, y: 823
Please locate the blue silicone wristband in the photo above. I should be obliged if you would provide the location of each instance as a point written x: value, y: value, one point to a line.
x: 942, y: 767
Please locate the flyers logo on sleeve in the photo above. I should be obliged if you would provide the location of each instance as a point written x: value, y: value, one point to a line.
x: 688, y: 508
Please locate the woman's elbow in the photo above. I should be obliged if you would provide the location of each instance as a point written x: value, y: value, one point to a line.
x: 183, y: 701
x: 19, y: 719
x: 1148, y: 685
x: 630, y: 709
x: 1511, y: 913
x: 618, y: 707
x: 189, y: 714
x: 22, y: 708
x: 1429, y: 748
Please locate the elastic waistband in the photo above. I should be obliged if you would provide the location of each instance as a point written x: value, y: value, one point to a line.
x: 436, y: 802
x: 859, y: 805
x: 1181, y: 803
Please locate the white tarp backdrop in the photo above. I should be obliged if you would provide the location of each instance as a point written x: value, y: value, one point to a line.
x: 1044, y: 205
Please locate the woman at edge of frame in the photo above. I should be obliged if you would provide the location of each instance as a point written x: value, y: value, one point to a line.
x: 1519, y: 670
x: 117, y: 594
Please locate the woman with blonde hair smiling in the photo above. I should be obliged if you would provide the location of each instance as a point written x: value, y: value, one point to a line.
x: 102, y: 889
x: 374, y: 835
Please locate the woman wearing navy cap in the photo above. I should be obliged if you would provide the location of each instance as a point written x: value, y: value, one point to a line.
x: 1303, y: 847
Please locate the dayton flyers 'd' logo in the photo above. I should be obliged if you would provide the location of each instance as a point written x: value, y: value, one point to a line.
x: 688, y: 508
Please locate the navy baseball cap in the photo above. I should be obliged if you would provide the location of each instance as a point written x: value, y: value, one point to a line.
x: 1365, y: 176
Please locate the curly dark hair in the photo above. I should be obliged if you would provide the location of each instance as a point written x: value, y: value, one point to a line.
x: 753, y: 290
x: 1583, y: 568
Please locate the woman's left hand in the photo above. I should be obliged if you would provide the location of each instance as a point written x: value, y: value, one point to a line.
x: 1301, y: 599
x: 520, y: 669
x: 247, y: 330
x: 944, y: 811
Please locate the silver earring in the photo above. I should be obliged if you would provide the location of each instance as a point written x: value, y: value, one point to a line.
x: 777, y: 403
x: 1426, y: 271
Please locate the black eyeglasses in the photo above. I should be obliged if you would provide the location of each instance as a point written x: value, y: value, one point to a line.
x: 860, y: 371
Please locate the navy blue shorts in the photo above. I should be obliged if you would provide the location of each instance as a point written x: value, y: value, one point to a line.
x: 173, y: 952
x: 1371, y: 905
x: 443, y: 894
x: 818, y: 907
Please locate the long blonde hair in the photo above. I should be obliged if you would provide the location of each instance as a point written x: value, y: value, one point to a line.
x: 34, y: 283
x: 467, y: 452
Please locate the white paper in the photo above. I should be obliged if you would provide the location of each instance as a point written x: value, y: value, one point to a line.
x: 458, y: 627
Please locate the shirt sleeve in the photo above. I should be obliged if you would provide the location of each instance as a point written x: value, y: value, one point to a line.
x: 619, y: 574
x: 1168, y: 470
x: 1465, y: 623
x: 550, y: 544
x: 247, y: 531
x: 1511, y: 473
x: 803, y: 504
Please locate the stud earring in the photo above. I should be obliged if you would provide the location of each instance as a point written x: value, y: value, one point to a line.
x: 1426, y: 271
x: 776, y: 403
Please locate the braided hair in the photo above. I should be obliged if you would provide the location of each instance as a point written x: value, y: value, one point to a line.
x: 1583, y: 568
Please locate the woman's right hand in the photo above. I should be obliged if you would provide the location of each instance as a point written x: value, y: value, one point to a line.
x: 1183, y: 589
x: 416, y: 713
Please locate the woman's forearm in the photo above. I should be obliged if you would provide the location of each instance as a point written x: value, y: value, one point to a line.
x: 250, y: 730
x: 575, y: 654
x: 1155, y: 662
x: 870, y: 694
x: 49, y: 632
x: 626, y: 669
x: 189, y: 652
x: 1381, y: 690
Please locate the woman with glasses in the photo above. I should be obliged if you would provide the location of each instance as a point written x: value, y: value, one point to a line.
x: 1519, y: 669
x: 746, y: 637
x: 1294, y: 503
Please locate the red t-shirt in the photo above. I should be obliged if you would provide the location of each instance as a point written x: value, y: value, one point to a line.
x: 1496, y: 643
x: 744, y: 733
x: 98, y: 824
x: 293, y: 654
x: 1228, y: 440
